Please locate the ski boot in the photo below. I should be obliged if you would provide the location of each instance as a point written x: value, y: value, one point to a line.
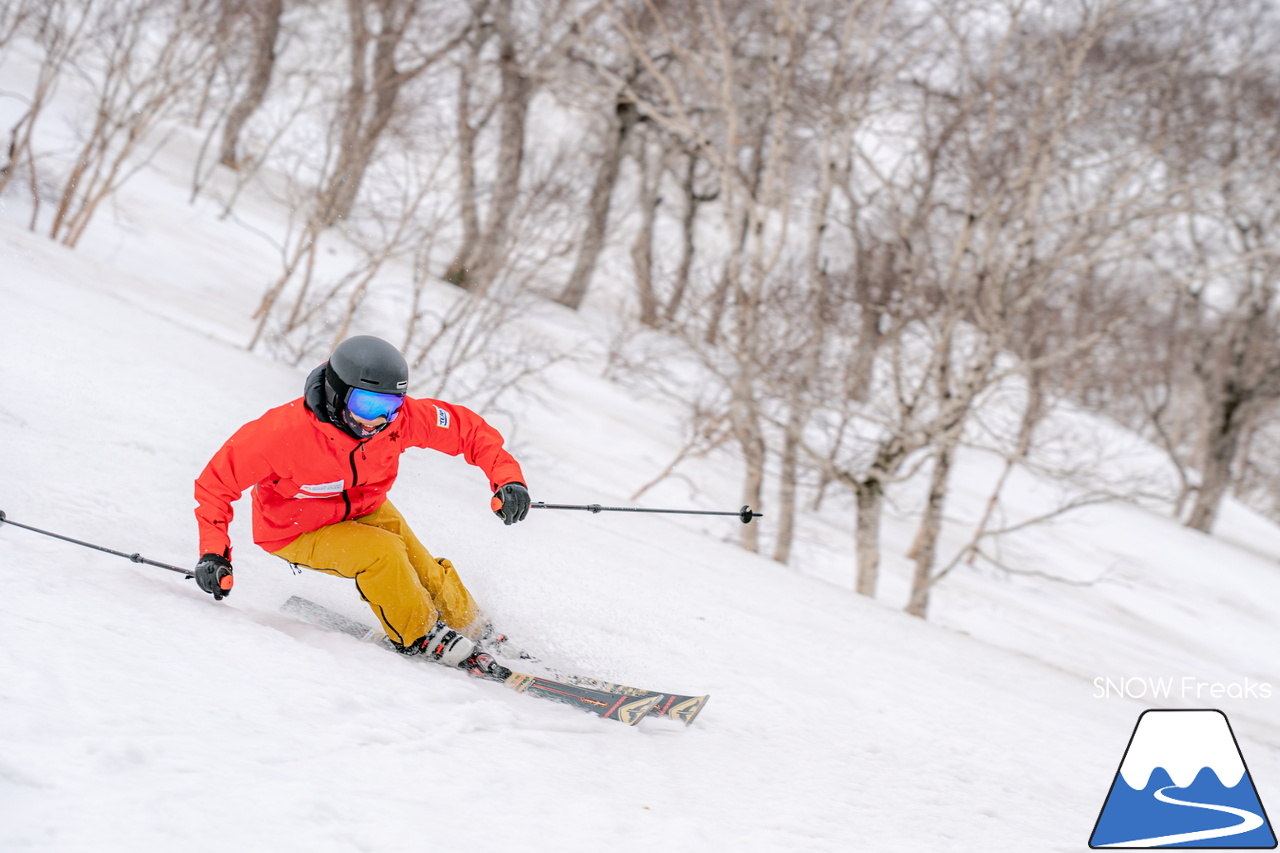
x: 451, y: 648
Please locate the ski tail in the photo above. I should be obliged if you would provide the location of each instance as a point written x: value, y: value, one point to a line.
x: 317, y: 614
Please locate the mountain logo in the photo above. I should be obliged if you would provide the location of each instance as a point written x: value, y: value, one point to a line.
x: 1183, y: 783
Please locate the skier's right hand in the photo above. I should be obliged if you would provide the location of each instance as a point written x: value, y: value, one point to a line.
x: 213, y: 574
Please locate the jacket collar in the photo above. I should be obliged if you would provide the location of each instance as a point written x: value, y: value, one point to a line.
x: 314, y: 397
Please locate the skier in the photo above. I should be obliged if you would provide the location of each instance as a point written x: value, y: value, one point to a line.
x: 321, y: 467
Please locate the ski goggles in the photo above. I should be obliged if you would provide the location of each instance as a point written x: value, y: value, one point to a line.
x: 370, y: 405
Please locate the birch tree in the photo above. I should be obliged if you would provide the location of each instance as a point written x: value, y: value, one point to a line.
x: 59, y: 29
x: 143, y: 58
x: 264, y: 17
x: 529, y: 42
x: 1007, y: 199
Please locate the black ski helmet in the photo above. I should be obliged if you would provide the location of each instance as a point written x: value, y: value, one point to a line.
x: 372, y: 364
x: 364, y: 362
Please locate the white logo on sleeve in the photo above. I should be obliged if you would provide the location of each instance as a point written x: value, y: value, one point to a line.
x: 320, y: 490
x: 442, y: 418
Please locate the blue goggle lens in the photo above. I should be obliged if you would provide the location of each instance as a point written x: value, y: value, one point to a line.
x: 370, y: 405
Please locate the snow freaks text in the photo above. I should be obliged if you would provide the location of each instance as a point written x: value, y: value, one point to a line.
x: 1185, y: 687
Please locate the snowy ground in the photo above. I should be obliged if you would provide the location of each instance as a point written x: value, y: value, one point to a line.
x: 139, y: 714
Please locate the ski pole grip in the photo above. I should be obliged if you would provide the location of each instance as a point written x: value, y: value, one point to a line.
x: 496, y: 504
x: 1, y: 516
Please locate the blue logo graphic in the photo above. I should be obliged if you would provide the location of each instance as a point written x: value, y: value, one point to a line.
x: 1183, y: 783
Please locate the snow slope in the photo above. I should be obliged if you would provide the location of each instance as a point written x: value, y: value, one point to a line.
x: 139, y: 714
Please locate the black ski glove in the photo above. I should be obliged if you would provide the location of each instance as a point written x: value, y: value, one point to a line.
x: 213, y: 573
x: 511, y: 503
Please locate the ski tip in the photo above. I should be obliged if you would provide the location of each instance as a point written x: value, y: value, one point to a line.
x: 634, y: 711
x: 683, y: 708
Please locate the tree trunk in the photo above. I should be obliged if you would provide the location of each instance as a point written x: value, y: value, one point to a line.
x: 787, y: 498
x: 469, y: 207
x: 624, y: 119
x: 688, y: 243
x: 862, y: 366
x: 869, y: 492
x: 1238, y: 373
x: 369, y: 106
x: 746, y: 425
x: 1032, y: 414
x: 731, y: 278
x: 1225, y: 423
x: 513, y: 111
x: 926, y: 547
x: 642, y: 246
x: 266, y: 29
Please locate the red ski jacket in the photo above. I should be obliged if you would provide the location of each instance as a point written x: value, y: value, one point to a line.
x: 307, y: 474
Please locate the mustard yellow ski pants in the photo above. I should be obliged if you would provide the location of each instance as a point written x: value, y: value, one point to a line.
x: 407, y: 588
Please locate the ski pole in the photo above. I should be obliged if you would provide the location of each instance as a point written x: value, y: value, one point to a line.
x: 137, y: 558
x: 745, y: 514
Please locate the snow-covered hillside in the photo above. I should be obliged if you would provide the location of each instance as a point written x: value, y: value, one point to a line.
x: 139, y: 714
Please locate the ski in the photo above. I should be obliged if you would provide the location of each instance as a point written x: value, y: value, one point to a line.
x: 623, y: 707
x: 610, y: 706
x: 673, y: 706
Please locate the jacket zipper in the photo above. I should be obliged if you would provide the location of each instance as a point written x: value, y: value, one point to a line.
x: 355, y: 478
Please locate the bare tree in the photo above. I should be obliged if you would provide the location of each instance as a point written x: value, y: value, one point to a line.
x: 623, y: 119
x: 762, y: 47
x: 470, y: 123
x: 1238, y: 367
x: 618, y: 55
x: 750, y: 93
x: 1002, y: 207
x: 1223, y: 260
x: 1239, y: 372
x: 388, y: 49
x: 529, y: 43
x: 474, y: 266
x: 650, y: 161
x: 693, y: 197
x: 617, y: 75
x: 265, y: 18
x: 477, y: 346
x: 143, y: 57
x: 59, y: 29
x: 14, y: 15
x: 1258, y: 461
x: 850, y: 61
x: 385, y: 56
x: 662, y: 289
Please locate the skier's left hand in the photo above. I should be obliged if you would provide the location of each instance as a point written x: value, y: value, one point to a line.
x: 511, y: 503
